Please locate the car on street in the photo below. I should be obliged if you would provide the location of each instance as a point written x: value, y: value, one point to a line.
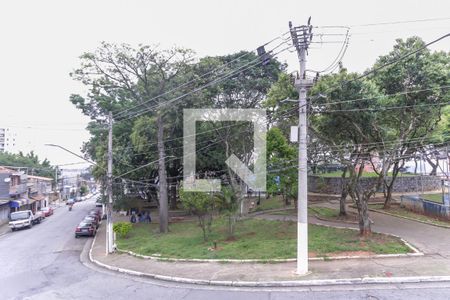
x: 47, y: 211
x: 85, y: 228
x: 70, y: 201
x: 24, y: 219
x: 92, y: 219
x: 97, y: 212
x: 95, y: 215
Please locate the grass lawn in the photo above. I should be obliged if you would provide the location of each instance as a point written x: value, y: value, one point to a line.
x: 365, y: 174
x: 271, y: 203
x: 433, y: 197
x: 287, y: 212
x: 324, y: 212
x: 254, y: 239
x: 397, y: 210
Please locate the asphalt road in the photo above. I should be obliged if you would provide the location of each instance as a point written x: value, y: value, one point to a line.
x: 47, y: 262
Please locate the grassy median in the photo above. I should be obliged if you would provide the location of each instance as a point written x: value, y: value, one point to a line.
x: 254, y: 239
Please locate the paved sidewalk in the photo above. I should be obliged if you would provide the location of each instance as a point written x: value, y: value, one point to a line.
x: 430, y: 239
x: 4, y: 229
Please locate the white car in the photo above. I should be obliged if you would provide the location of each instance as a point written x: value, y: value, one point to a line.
x: 25, y: 218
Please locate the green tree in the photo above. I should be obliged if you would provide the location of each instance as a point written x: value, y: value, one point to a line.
x: 122, y: 77
x: 420, y: 84
x: 228, y: 203
x: 282, y: 165
x: 351, y: 136
x: 202, y: 206
x: 30, y: 162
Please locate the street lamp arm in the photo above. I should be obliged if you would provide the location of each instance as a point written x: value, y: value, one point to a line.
x: 71, y: 152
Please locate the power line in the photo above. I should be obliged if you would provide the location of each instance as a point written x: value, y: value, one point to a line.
x: 392, y: 62
x: 223, y: 67
x: 247, y: 66
x: 382, y: 108
x: 386, y: 95
x: 400, y: 22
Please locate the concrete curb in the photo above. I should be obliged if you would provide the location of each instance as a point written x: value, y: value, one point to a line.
x: 268, y: 211
x: 286, y: 283
x: 407, y: 218
x: 276, y: 260
x: 336, y: 221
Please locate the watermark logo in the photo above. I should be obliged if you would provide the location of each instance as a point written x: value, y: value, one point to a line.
x: 255, y: 180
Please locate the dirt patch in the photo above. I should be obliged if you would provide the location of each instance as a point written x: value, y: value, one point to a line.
x: 230, y: 239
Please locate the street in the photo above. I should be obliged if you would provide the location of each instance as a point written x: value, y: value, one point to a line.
x: 47, y: 262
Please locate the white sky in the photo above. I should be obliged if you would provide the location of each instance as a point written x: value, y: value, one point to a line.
x: 41, y: 42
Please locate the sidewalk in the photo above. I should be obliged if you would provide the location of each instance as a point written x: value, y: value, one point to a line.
x: 435, y: 262
x: 4, y: 229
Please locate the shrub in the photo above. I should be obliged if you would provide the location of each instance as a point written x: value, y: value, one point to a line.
x: 122, y: 228
x: 202, y: 205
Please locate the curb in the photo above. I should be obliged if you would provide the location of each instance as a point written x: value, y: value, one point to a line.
x: 268, y: 211
x: 407, y: 218
x: 336, y: 221
x: 286, y: 283
x: 276, y: 260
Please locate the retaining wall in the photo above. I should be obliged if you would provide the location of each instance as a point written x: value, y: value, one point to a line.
x: 403, y: 184
x: 422, y: 206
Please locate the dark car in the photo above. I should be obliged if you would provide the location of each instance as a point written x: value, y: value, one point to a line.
x: 96, y: 212
x: 93, y: 219
x: 96, y: 216
x: 85, y: 228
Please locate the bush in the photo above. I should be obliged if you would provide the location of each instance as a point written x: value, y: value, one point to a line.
x: 122, y: 228
x: 202, y: 205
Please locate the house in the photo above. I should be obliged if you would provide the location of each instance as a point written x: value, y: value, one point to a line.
x: 39, y: 189
x: 13, y: 192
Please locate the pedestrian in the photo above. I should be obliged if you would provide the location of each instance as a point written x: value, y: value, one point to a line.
x: 142, y: 218
x: 148, y: 218
x: 133, y: 218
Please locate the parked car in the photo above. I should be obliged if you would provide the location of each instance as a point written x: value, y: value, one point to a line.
x: 47, y: 211
x: 92, y: 219
x: 24, y: 218
x: 95, y: 215
x: 85, y: 228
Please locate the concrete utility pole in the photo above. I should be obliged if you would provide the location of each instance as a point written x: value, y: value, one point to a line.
x: 56, y: 183
x: 109, y: 229
x: 301, y: 37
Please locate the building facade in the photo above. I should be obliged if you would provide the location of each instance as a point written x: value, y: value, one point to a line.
x: 7, y: 140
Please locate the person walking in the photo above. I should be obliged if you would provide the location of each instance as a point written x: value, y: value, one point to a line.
x: 133, y: 218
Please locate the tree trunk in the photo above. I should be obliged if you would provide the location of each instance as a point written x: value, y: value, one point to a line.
x: 433, y: 165
x: 344, y: 193
x: 364, y: 221
x: 172, y: 194
x: 389, y: 187
x: 163, y: 201
x: 201, y: 221
x: 415, y: 165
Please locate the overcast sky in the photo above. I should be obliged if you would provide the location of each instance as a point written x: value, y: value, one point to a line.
x: 42, y: 40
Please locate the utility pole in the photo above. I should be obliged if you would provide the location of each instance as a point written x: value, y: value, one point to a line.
x: 109, y: 229
x: 301, y: 38
x: 56, y: 183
